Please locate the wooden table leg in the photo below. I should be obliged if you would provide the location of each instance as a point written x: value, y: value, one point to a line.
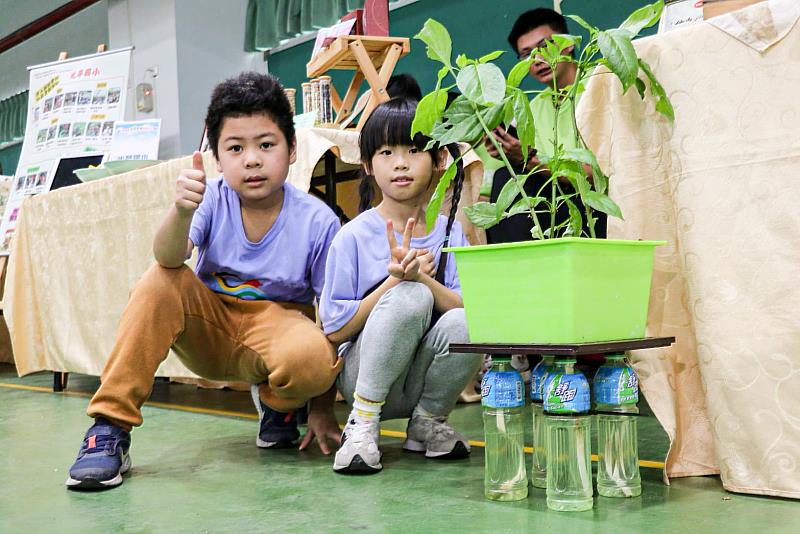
x: 346, y: 107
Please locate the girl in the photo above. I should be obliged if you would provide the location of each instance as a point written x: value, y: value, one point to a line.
x: 393, y: 301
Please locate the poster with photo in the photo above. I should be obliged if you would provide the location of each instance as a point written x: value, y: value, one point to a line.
x: 135, y: 140
x: 72, y: 108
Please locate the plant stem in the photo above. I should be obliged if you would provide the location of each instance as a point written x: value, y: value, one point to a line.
x: 511, y: 170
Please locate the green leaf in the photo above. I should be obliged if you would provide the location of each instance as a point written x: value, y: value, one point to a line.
x: 523, y: 206
x: 435, y: 204
x: 482, y: 214
x: 601, y: 202
x: 642, y: 18
x: 437, y: 39
x: 510, y: 191
x: 459, y: 123
x: 575, y: 219
x: 462, y: 61
x: 640, y: 87
x: 587, y: 156
x: 588, y: 27
x: 493, y: 115
x: 580, y: 154
x: 508, y: 110
x: 429, y: 111
x: 483, y: 84
x: 564, y: 41
x: 519, y: 72
x: 525, y: 127
x: 491, y: 56
x: 616, y: 47
x: 663, y: 105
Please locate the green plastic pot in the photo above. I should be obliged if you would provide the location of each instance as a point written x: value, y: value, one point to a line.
x: 567, y: 290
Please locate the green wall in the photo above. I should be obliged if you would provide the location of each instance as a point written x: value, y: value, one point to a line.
x: 476, y: 27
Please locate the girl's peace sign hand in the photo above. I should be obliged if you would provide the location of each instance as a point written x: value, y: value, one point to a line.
x: 403, y: 262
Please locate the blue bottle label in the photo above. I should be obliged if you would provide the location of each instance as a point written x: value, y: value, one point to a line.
x: 538, y: 376
x: 566, y: 393
x: 616, y: 385
x: 502, y: 389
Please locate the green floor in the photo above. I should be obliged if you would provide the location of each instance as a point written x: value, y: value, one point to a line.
x: 201, y: 472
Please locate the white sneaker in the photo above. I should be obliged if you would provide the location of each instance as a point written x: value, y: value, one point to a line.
x: 434, y: 437
x: 359, y: 451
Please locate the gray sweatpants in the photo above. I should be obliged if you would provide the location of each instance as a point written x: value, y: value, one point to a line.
x: 397, y: 359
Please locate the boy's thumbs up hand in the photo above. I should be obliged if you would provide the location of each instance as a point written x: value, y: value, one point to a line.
x: 190, y: 186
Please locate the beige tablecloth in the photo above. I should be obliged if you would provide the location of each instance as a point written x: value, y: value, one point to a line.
x: 721, y: 186
x: 79, y: 250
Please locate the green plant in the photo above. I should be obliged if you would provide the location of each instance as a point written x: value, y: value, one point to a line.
x: 489, y: 98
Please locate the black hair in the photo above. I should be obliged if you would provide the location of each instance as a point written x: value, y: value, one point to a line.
x: 249, y: 93
x: 530, y: 20
x: 404, y: 85
x: 390, y: 124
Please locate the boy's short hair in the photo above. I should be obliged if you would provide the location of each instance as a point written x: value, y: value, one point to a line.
x: 249, y: 93
x: 530, y: 20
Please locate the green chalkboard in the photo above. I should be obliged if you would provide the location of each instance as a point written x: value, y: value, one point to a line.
x: 476, y: 27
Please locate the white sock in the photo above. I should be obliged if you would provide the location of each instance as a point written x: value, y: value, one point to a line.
x: 365, y: 411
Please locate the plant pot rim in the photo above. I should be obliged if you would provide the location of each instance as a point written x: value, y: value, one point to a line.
x: 559, y: 241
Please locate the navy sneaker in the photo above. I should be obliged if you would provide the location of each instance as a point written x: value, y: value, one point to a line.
x: 103, y: 457
x: 276, y: 430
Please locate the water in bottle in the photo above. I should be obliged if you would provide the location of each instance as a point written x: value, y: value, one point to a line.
x: 616, y: 392
x: 503, y: 401
x: 569, y: 462
x: 539, y: 456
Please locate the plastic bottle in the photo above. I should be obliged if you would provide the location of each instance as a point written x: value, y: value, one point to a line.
x: 539, y: 456
x: 569, y: 463
x: 503, y: 401
x: 616, y: 392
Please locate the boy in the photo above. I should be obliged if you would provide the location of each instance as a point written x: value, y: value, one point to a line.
x: 532, y: 30
x: 245, y: 314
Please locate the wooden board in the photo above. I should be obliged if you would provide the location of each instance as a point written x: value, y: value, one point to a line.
x: 565, y: 349
x: 339, y: 54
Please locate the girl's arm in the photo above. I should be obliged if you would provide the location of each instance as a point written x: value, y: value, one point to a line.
x: 357, y: 322
x: 444, y: 298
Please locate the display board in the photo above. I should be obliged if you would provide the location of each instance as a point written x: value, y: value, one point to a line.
x: 72, y: 108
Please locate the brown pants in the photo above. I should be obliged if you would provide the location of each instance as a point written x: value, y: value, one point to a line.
x: 218, y: 337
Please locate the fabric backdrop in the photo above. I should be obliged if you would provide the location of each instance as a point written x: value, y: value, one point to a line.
x: 79, y: 250
x: 721, y: 186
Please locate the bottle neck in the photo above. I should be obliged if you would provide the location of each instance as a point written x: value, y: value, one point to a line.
x: 501, y: 365
x: 564, y: 366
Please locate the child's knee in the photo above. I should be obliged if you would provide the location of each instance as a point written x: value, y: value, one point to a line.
x: 158, y: 281
x: 454, y: 324
x: 302, y: 366
x: 408, y: 299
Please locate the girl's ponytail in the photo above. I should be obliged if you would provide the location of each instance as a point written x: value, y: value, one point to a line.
x: 458, y: 182
x: 365, y: 192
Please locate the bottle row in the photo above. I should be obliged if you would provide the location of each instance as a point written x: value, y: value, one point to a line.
x: 561, y: 460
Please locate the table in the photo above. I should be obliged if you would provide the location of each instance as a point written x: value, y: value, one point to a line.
x: 79, y: 250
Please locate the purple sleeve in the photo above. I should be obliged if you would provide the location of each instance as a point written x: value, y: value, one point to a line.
x: 457, y: 239
x: 201, y: 220
x: 340, y: 299
x: 320, y: 253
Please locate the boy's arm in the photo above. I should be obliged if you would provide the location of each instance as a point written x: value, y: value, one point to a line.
x: 172, y: 245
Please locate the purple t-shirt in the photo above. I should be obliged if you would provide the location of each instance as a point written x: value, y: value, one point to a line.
x: 358, y: 259
x: 287, y: 265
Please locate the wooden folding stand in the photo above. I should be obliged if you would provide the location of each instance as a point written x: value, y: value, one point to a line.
x: 373, y: 59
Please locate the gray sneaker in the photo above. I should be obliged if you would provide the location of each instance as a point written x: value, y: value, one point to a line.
x: 435, y: 438
x: 359, y: 451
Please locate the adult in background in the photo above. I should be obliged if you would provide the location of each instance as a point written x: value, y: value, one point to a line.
x: 532, y: 30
